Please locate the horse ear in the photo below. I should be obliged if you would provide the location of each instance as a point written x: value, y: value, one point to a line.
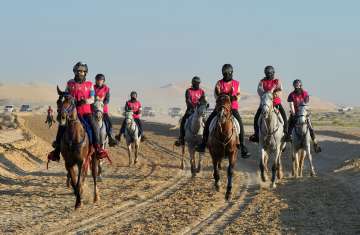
x: 60, y: 93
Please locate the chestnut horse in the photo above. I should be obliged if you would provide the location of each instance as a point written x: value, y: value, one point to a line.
x: 75, y: 147
x: 222, y: 142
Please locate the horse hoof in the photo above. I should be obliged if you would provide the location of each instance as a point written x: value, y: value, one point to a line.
x: 96, y: 199
x: 263, y: 178
x: 193, y: 175
x: 312, y: 174
x: 198, y: 170
x: 182, y: 167
x: 77, y: 206
x: 273, y: 185
x: 135, y: 162
x: 217, y: 188
x: 99, y: 179
x: 228, y: 196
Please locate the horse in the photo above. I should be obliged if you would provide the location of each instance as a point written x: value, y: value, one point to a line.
x: 132, y: 136
x: 194, y: 127
x: 301, y: 143
x: 223, y: 141
x: 49, y: 120
x: 75, y: 147
x: 271, y: 141
x: 98, y: 108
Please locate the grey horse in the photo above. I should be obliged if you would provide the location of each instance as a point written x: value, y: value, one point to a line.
x: 132, y: 136
x: 98, y: 108
x: 271, y: 139
x: 194, y: 128
x: 301, y: 143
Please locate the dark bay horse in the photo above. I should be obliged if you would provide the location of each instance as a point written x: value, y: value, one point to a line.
x: 222, y: 142
x: 75, y: 147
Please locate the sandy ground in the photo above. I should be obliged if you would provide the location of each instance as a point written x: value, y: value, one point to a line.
x: 156, y: 197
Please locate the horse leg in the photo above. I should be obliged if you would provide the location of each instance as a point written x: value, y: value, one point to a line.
x: 94, y: 168
x: 182, y: 164
x: 192, y: 161
x: 72, y: 177
x: 68, y: 180
x: 216, y: 174
x: 308, y: 152
x: 79, y: 186
x: 201, y: 155
x: 279, y: 165
x: 275, y: 168
x: 136, y: 152
x: 230, y: 172
x: 301, y: 163
x: 295, y: 163
x: 129, y: 153
x: 262, y: 165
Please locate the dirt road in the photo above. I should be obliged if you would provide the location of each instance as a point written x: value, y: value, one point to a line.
x: 156, y: 197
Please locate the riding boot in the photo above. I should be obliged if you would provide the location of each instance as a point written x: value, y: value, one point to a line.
x: 118, y: 137
x: 316, y: 144
x: 112, y: 140
x: 244, y: 151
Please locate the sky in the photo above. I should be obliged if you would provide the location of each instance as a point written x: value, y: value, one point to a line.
x: 146, y: 43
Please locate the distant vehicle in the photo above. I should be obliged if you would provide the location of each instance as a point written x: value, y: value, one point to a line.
x: 148, y: 112
x: 345, y: 109
x: 25, y: 108
x: 175, y: 112
x: 9, y: 108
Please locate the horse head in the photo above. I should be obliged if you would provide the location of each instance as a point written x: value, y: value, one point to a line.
x: 129, y: 117
x: 201, y: 107
x: 66, y: 107
x: 223, y: 108
x: 98, y: 107
x: 267, y: 104
x: 302, y: 114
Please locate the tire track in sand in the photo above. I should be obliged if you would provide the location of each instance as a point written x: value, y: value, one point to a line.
x: 116, y: 213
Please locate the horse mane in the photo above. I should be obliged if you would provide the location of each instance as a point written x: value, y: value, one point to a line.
x: 223, y: 100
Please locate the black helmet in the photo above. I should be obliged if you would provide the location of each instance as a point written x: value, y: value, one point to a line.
x: 227, y: 70
x: 269, y: 71
x: 196, y: 79
x: 297, y: 82
x: 133, y: 94
x: 81, y: 65
x: 100, y: 76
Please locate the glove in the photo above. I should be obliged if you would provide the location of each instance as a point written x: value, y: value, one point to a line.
x: 80, y: 102
x: 137, y: 112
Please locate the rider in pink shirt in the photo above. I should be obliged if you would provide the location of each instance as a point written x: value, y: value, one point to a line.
x: 296, y: 98
x: 135, y: 106
x: 269, y: 84
x: 102, y: 92
x: 227, y: 85
x: 192, y: 98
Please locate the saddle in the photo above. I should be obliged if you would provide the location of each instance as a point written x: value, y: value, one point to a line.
x: 235, y: 121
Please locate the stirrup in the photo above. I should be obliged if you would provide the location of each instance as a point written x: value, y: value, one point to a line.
x: 254, y: 138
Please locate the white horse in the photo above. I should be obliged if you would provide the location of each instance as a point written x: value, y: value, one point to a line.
x: 194, y: 128
x: 270, y: 138
x: 132, y: 136
x: 98, y: 108
x: 301, y: 143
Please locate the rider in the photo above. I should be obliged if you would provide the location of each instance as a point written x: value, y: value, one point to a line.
x: 192, y: 97
x: 232, y: 88
x: 50, y: 112
x: 102, y: 92
x: 135, y: 106
x: 269, y: 84
x: 83, y: 93
x: 296, y: 98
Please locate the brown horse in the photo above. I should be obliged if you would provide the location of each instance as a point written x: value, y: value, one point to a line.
x: 222, y: 142
x: 75, y: 147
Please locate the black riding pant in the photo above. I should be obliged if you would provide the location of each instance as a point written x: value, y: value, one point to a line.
x: 183, y: 120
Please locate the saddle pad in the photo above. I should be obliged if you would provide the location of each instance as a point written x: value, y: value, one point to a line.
x: 236, y: 123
